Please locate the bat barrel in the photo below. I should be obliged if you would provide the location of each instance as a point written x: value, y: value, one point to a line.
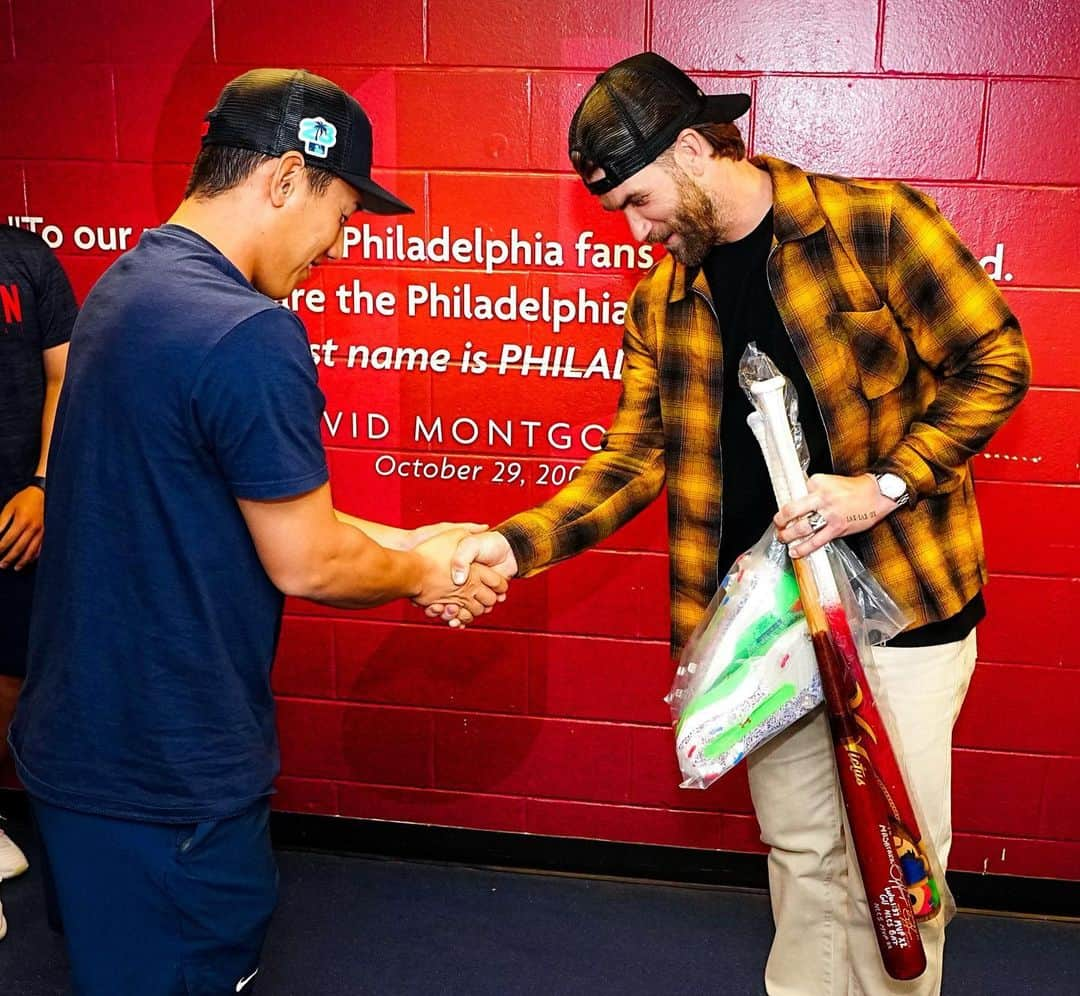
x: 871, y: 825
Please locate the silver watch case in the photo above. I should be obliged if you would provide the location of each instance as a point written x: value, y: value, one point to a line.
x: 893, y: 488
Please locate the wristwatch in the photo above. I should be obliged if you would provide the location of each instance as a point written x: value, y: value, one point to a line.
x: 37, y: 482
x: 893, y: 488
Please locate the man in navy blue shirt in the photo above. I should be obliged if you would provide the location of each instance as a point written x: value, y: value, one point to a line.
x: 187, y: 492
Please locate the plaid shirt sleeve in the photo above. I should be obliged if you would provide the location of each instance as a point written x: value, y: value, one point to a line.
x: 615, y: 483
x: 961, y: 327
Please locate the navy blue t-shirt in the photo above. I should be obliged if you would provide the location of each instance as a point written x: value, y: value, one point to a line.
x: 148, y: 686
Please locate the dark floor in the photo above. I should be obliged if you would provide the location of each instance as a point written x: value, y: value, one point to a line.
x: 350, y: 925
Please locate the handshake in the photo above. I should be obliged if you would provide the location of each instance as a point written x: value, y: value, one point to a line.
x: 467, y: 567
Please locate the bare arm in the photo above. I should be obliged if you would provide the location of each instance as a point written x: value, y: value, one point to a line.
x: 55, y: 363
x: 395, y: 538
x: 390, y: 537
x: 308, y: 552
x: 22, y: 519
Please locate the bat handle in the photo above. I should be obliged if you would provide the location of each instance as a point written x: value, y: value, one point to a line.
x: 769, y: 398
x: 772, y: 429
x: 781, y: 491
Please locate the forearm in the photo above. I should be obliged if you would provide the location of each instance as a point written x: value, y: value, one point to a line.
x: 55, y: 363
x: 48, y: 418
x: 614, y: 484
x: 390, y: 537
x: 309, y: 553
x: 972, y: 403
x: 610, y: 489
x: 353, y: 571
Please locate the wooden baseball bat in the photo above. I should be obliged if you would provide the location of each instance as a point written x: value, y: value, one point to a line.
x: 924, y: 894
x: 871, y: 812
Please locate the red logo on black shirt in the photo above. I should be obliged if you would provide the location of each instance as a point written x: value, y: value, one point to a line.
x: 11, y: 303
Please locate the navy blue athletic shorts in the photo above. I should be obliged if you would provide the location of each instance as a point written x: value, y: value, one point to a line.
x: 169, y: 909
x: 16, y: 598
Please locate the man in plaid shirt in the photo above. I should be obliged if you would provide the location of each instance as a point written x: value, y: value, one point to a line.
x: 905, y: 359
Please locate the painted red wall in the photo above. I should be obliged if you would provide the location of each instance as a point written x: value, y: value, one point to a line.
x: 548, y: 719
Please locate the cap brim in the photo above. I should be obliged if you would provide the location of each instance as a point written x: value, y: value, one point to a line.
x: 375, y: 199
x: 724, y: 107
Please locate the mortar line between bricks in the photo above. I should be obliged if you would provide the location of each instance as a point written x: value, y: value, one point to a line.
x: 649, y: 640
x: 654, y: 807
x: 466, y: 713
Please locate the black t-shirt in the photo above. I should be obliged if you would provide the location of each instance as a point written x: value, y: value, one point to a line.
x: 746, y: 312
x: 37, y: 311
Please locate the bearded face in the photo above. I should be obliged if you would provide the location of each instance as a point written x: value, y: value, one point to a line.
x: 694, y: 227
x: 664, y: 204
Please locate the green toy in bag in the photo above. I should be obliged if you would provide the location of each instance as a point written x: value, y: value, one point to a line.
x: 748, y: 671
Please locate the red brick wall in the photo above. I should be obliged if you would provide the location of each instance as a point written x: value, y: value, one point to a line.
x: 548, y: 719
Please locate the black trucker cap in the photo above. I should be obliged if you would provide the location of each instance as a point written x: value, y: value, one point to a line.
x: 634, y: 111
x: 274, y: 111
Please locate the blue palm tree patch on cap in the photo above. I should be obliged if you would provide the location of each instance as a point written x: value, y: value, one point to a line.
x: 318, y: 136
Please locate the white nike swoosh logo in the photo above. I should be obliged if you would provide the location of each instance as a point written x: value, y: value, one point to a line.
x: 243, y: 982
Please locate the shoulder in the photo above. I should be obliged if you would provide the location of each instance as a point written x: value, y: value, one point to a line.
x: 22, y: 240
x: 178, y: 272
x: 843, y: 192
x: 261, y: 363
x: 18, y: 245
x: 848, y: 197
x: 653, y: 291
x: 270, y: 317
x: 263, y: 333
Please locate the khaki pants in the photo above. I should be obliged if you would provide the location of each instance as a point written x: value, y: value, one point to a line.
x: 824, y: 944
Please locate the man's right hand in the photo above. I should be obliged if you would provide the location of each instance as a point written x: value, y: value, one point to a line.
x: 449, y: 582
x: 489, y: 549
x: 22, y: 524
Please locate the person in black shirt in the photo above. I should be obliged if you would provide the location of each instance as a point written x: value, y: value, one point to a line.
x: 37, y: 311
x: 905, y: 360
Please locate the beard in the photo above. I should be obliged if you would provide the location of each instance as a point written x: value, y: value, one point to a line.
x: 695, y: 223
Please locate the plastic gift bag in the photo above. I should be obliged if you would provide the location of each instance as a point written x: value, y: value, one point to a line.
x: 748, y: 670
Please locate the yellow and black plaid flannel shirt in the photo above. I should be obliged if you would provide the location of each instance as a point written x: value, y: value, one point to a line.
x: 912, y: 354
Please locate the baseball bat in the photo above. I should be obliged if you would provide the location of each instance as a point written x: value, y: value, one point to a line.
x: 924, y: 894
x: 872, y: 813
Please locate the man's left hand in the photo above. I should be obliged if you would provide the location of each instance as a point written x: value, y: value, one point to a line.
x: 22, y: 524
x: 834, y: 506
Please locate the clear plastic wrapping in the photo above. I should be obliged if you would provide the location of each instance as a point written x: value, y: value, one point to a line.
x: 748, y: 670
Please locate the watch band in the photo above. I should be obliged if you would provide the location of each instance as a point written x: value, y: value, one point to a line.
x: 37, y: 481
